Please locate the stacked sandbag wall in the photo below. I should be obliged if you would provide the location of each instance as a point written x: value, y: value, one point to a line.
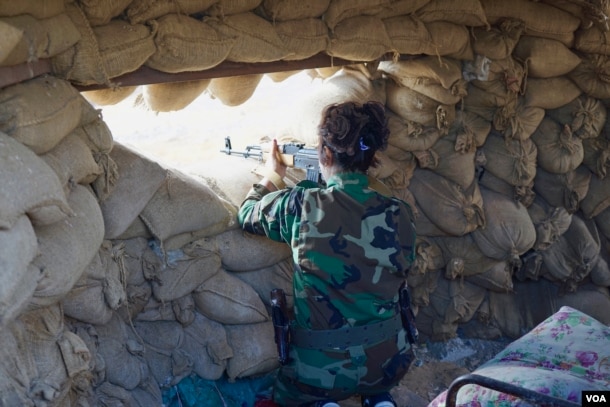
x: 121, y: 276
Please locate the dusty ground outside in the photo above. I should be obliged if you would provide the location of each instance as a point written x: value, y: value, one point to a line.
x: 192, y: 140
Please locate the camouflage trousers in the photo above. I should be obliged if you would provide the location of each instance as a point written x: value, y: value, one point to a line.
x: 319, y: 374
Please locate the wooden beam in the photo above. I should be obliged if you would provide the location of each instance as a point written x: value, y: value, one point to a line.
x: 145, y: 75
x: 10, y: 75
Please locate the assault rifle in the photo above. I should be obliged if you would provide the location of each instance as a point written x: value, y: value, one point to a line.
x: 293, y: 155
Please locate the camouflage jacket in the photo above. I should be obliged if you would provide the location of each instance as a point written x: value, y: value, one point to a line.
x: 351, y: 247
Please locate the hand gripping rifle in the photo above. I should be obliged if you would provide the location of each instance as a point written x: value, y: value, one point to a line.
x: 281, y: 324
x: 293, y: 155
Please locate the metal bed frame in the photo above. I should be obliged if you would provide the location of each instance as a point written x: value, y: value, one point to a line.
x: 524, y: 394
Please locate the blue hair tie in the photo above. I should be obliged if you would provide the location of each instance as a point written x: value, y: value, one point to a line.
x: 363, y: 146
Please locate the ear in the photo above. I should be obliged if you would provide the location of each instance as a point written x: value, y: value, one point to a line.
x: 328, y: 157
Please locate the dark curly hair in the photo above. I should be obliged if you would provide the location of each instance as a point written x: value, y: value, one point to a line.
x: 354, y: 132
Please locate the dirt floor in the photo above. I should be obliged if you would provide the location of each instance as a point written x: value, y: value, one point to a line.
x: 192, y: 140
x: 438, y: 364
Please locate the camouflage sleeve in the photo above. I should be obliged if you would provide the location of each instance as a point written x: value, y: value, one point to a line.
x: 263, y: 213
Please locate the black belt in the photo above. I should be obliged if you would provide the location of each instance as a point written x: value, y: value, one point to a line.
x: 343, y: 338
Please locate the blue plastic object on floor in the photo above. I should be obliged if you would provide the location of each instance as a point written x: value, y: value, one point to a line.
x: 193, y: 391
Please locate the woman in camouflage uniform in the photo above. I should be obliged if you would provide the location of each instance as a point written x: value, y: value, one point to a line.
x: 352, y: 248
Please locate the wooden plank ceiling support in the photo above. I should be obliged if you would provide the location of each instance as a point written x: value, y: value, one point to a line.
x: 145, y: 75
x: 10, y: 75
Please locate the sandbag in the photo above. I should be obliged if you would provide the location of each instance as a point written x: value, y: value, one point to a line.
x: 421, y: 286
x: 18, y: 279
x: 408, y: 35
x: 124, y: 47
x: 44, y: 332
x: 242, y: 251
x: 453, y: 164
x: 110, y: 96
x: 592, y: 41
x: 121, y: 354
x: 591, y: 75
x: 180, y: 272
x: 101, y: 12
x: 415, y: 106
x: 99, y: 291
x: 559, y: 151
x: 423, y: 224
x: 428, y: 256
x: 550, y: 93
x: 437, y: 78
x: 140, y: 11
x: 597, y: 155
x: 453, y: 209
x: 82, y: 233
x: 482, y: 103
x: 40, y: 112
x: 359, y: 38
x: 266, y: 279
x: 468, y: 12
x: 563, y: 190
x: 184, y: 204
x: 462, y: 256
x: 226, y: 299
x: 545, y: 58
x: 81, y: 63
x: 303, y: 38
x: 597, y: 198
x: 505, y: 78
x: 167, y: 361
x: 408, y: 135
x: 255, y: 39
x: 513, y: 161
x: 234, y: 90
x: 139, y: 179
x: 253, y: 351
x: 556, y: 24
x: 73, y: 161
x: 35, y: 39
x: 517, y: 119
x: 17, y: 367
x: 173, y: 96
x: 223, y: 8
x: 602, y: 220
x: 532, y: 302
x: 29, y: 186
x: 521, y: 193
x: 207, y: 343
x: 187, y: 44
x: 286, y: 10
x: 585, y: 115
x: 411, y: 36
x: 470, y: 131
x: 498, y: 277
x: 497, y: 41
x: 32, y: 7
x: 11, y: 37
x: 572, y: 257
x: 451, y: 303
x: 549, y: 221
x: 508, y: 232
x: 339, y: 10
x: 449, y: 39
